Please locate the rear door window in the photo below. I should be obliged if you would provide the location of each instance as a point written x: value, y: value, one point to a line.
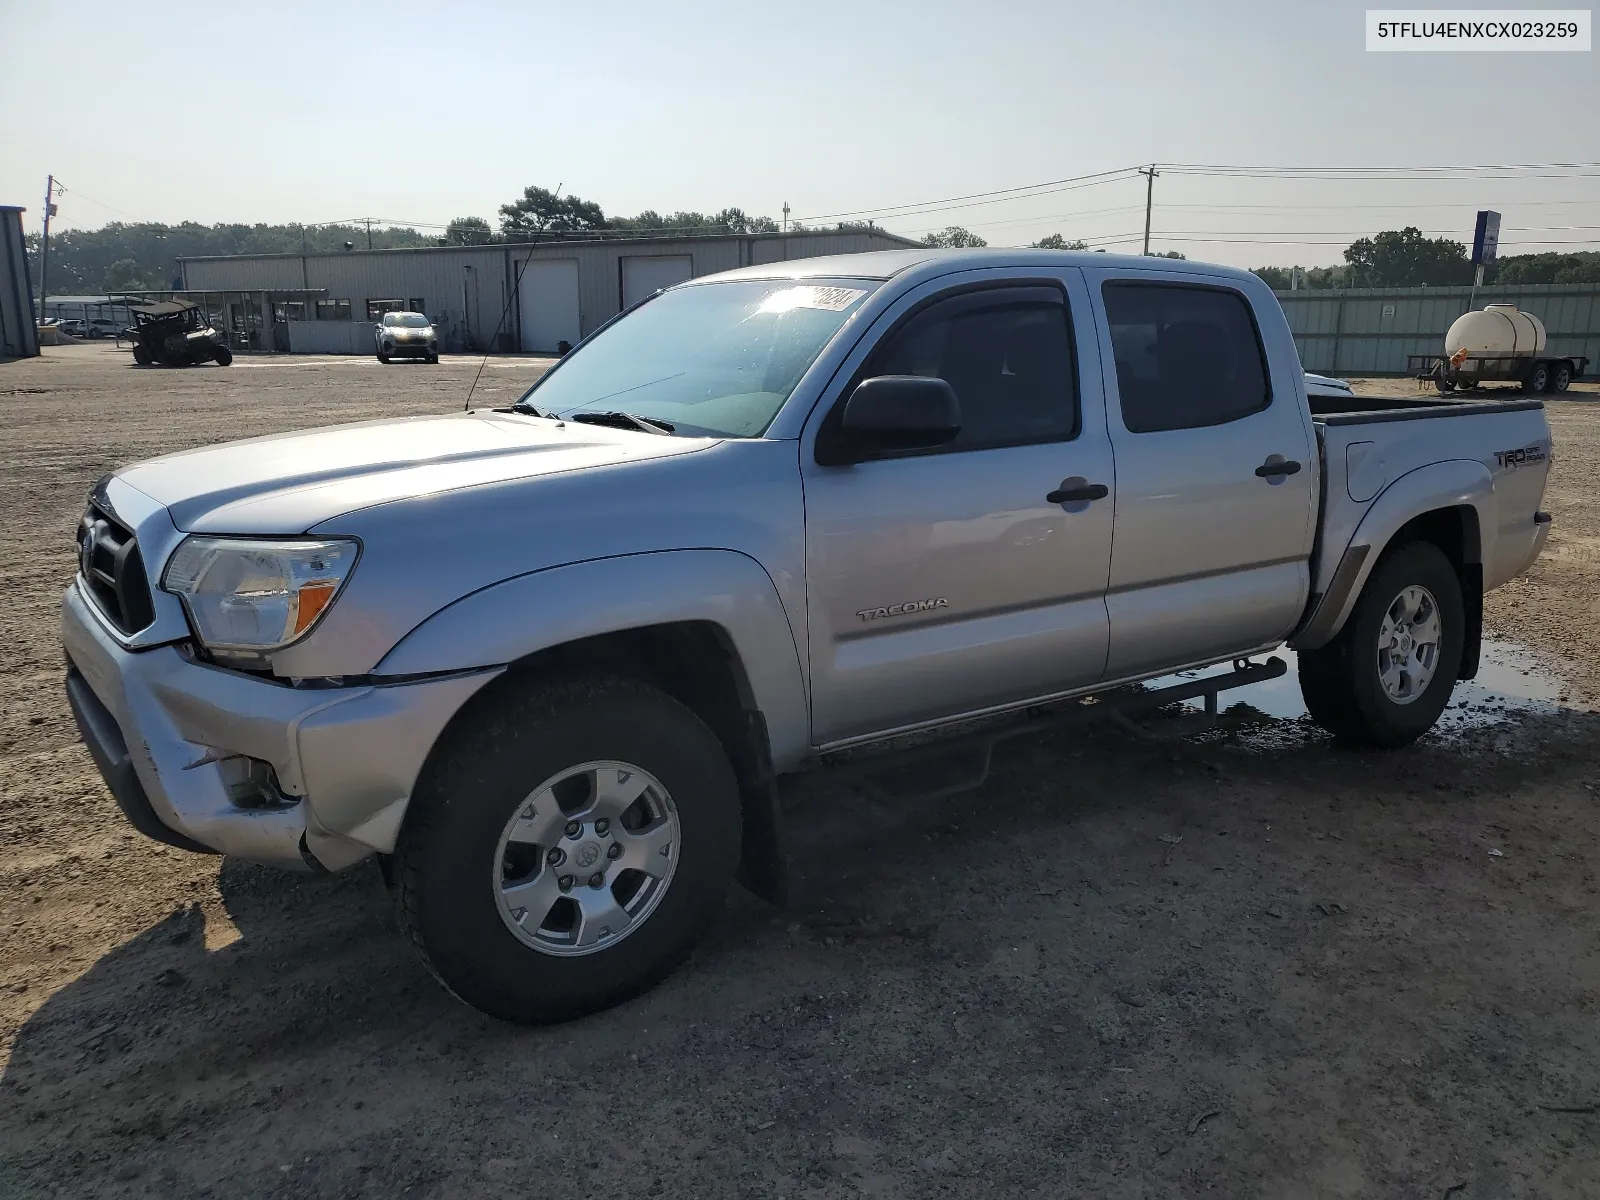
x: 1186, y: 357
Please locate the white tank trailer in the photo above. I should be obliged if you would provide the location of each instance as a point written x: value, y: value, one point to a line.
x: 1499, y: 343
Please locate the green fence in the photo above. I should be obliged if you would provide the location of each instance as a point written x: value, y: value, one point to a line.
x: 1370, y: 331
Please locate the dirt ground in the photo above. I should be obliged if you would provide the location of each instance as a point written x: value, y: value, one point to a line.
x: 1248, y: 966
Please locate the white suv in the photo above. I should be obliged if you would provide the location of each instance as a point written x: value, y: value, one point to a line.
x: 406, y: 335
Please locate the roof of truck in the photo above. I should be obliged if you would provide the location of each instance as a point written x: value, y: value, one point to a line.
x: 885, y: 264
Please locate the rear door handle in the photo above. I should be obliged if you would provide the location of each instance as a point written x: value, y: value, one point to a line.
x: 1085, y: 491
x: 1271, y: 470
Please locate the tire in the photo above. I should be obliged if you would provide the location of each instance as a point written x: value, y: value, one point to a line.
x: 1538, y: 379
x: 224, y: 356
x: 1341, y: 682
x: 384, y: 359
x: 1560, y: 378
x: 453, y: 861
x: 433, y: 358
x: 1444, y: 385
x: 142, y: 356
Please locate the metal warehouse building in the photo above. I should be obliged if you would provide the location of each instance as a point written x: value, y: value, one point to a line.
x: 326, y: 303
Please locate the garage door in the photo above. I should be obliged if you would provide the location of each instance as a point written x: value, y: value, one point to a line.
x: 549, y: 302
x: 646, y: 274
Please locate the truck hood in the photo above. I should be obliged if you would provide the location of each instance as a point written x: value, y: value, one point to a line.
x: 291, y: 482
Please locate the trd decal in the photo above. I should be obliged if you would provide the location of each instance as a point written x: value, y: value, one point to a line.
x: 1516, y: 458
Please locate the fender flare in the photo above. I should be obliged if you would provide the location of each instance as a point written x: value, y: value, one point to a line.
x: 543, y: 609
x: 1455, y: 483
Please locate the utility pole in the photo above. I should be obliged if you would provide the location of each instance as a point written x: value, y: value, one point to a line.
x: 1150, y: 174
x: 44, y: 246
x: 786, y: 216
x: 369, y: 233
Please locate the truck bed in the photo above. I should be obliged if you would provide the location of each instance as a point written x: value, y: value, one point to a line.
x: 1361, y: 410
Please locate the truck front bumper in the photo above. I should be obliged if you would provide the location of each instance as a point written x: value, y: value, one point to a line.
x: 210, y: 759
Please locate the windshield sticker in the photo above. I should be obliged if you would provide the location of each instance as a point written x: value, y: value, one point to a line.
x: 829, y: 299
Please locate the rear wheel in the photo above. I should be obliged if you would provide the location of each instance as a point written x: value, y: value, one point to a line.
x: 569, y: 850
x: 1538, y: 379
x: 1388, y: 675
x: 1560, y: 378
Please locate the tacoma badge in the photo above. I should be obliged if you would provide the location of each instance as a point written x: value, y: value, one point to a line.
x: 900, y: 610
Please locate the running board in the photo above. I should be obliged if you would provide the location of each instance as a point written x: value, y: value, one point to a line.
x: 1121, y: 709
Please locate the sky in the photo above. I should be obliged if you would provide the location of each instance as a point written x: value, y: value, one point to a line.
x: 420, y: 112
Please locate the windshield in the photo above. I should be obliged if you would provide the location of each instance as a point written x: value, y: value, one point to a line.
x: 713, y: 359
x: 406, y: 320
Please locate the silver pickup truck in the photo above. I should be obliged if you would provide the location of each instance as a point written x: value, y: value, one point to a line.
x: 548, y: 660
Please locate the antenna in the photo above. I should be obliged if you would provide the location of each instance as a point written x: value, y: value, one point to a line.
x: 516, y: 288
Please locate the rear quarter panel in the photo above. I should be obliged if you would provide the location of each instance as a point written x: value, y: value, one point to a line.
x: 1384, y: 470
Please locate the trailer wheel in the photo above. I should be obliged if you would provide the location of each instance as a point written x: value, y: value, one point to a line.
x: 1560, y: 377
x: 1384, y: 680
x: 1446, y: 386
x: 1538, y: 379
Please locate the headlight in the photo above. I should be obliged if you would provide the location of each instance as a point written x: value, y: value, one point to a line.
x: 246, y: 598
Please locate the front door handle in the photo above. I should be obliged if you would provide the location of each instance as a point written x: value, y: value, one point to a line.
x: 1084, y: 491
x: 1272, y: 469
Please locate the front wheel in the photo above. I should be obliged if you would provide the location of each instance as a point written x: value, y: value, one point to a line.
x: 1389, y: 674
x: 384, y: 359
x: 569, y: 849
x: 224, y: 356
x: 142, y: 356
x: 1561, y: 378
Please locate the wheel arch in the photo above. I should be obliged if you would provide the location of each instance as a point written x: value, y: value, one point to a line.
x: 706, y: 627
x: 1449, y: 504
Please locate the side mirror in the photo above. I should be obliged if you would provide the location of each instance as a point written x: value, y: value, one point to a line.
x: 899, y: 412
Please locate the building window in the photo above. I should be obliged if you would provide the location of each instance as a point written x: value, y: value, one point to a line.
x: 376, y: 308
x: 333, y: 310
x: 415, y: 305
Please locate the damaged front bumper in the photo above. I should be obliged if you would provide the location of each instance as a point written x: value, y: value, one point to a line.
x: 209, y: 759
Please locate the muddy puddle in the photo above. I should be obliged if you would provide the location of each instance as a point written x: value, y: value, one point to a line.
x: 1512, y: 684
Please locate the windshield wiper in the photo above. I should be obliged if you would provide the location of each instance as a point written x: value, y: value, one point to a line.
x: 522, y: 406
x: 625, y: 420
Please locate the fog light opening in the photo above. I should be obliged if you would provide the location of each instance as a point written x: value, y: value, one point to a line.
x: 253, y: 783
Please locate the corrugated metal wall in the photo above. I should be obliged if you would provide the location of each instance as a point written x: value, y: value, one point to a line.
x: 19, y: 336
x: 465, y: 289
x: 1370, y: 331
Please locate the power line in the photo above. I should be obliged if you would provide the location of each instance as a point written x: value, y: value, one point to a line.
x: 890, y: 211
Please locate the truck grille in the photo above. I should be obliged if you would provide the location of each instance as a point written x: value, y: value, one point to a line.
x: 108, y: 558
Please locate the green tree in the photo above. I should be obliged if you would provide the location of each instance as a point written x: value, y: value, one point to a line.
x: 1582, y: 267
x: 81, y: 259
x: 1165, y: 254
x: 540, y: 210
x: 468, y: 231
x: 1056, y: 242
x: 953, y: 237
x: 1404, y: 258
x: 125, y: 275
